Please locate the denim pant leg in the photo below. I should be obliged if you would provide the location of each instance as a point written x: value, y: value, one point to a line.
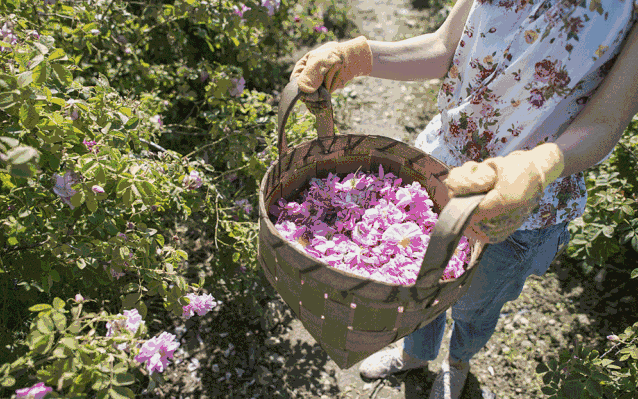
x: 499, y: 278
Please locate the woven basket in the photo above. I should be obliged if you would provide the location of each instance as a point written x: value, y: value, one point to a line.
x: 352, y: 317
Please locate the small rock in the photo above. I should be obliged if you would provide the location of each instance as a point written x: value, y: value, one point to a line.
x: 272, y: 341
x: 583, y: 319
x: 505, y: 349
x: 600, y: 276
x: 487, y: 394
x: 527, y: 344
x: 367, y: 386
x: 491, y: 370
x: 551, y: 322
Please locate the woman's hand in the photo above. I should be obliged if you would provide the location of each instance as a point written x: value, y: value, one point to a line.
x: 333, y: 64
x: 516, y: 184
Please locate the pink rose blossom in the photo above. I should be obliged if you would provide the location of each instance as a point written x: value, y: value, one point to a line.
x: 271, y: 6
x: 239, y: 85
x: 38, y: 391
x: 157, y: 351
x: 201, y: 305
x: 192, y: 181
x: 97, y: 189
x: 242, y: 10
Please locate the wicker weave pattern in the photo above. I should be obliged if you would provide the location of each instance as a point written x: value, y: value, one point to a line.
x: 352, y: 317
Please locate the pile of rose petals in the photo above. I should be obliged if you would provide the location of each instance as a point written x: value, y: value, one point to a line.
x: 367, y: 224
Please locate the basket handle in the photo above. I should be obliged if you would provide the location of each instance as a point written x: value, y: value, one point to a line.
x: 319, y: 103
x: 453, y: 219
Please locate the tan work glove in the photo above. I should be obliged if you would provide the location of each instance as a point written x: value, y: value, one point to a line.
x: 333, y: 64
x: 516, y: 185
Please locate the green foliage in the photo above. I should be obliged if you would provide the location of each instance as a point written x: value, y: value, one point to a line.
x: 609, y: 226
x: 87, y: 196
x: 608, y: 230
x: 586, y: 374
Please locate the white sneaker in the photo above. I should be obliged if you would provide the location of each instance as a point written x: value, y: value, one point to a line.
x: 450, y: 381
x: 389, y: 361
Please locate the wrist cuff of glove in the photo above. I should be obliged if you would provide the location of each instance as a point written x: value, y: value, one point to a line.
x: 550, y: 161
x: 359, y: 56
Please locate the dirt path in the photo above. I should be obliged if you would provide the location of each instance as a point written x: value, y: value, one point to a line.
x: 380, y: 106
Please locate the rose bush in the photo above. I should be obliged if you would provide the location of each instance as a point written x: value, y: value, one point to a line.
x: 118, y: 120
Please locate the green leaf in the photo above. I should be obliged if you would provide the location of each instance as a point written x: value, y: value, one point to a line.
x: 7, y: 381
x: 60, y: 321
x: 572, y: 388
x: 124, y: 379
x: 594, y: 388
x: 56, y: 54
x: 25, y: 78
x: 548, y: 390
x: 40, y: 307
x: 541, y: 368
x: 69, y: 342
x: 44, y: 324
x: 40, y: 73
x: 132, y: 123
x: 121, y: 393
x: 58, y: 303
x: 22, y: 155
x: 62, y: 73
x: 547, y: 378
x: 89, y: 27
x: 130, y: 300
x: 91, y: 203
x: 55, y: 276
x: 40, y: 344
x: 29, y: 116
x: 78, y: 199
x: 634, y: 273
x: 122, y: 185
x: 100, y: 176
x: 634, y: 243
x: 41, y: 47
x: 608, y: 231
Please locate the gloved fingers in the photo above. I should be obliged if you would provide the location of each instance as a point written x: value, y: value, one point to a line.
x: 471, y: 177
x: 331, y: 77
x: 312, y: 72
x: 496, y: 219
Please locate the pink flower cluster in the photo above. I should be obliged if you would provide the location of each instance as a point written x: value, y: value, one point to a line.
x: 38, y: 391
x: 91, y: 146
x: 192, y: 181
x: 157, y: 351
x: 7, y: 35
x: 271, y: 6
x: 238, y: 87
x: 131, y: 321
x: 63, y: 186
x: 366, y: 225
x: 201, y: 305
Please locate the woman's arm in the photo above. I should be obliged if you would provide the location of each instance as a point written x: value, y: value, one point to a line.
x: 423, y: 57
x: 599, y: 126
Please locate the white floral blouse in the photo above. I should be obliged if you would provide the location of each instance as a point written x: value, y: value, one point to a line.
x: 521, y: 73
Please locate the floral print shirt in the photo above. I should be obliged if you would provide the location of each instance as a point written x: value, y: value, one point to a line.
x: 521, y: 73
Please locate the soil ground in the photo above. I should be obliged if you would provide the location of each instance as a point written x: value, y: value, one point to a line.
x: 233, y: 352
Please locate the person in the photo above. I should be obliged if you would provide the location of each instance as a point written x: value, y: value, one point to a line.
x: 533, y: 93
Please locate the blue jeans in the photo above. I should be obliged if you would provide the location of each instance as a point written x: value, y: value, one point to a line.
x: 499, y: 278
